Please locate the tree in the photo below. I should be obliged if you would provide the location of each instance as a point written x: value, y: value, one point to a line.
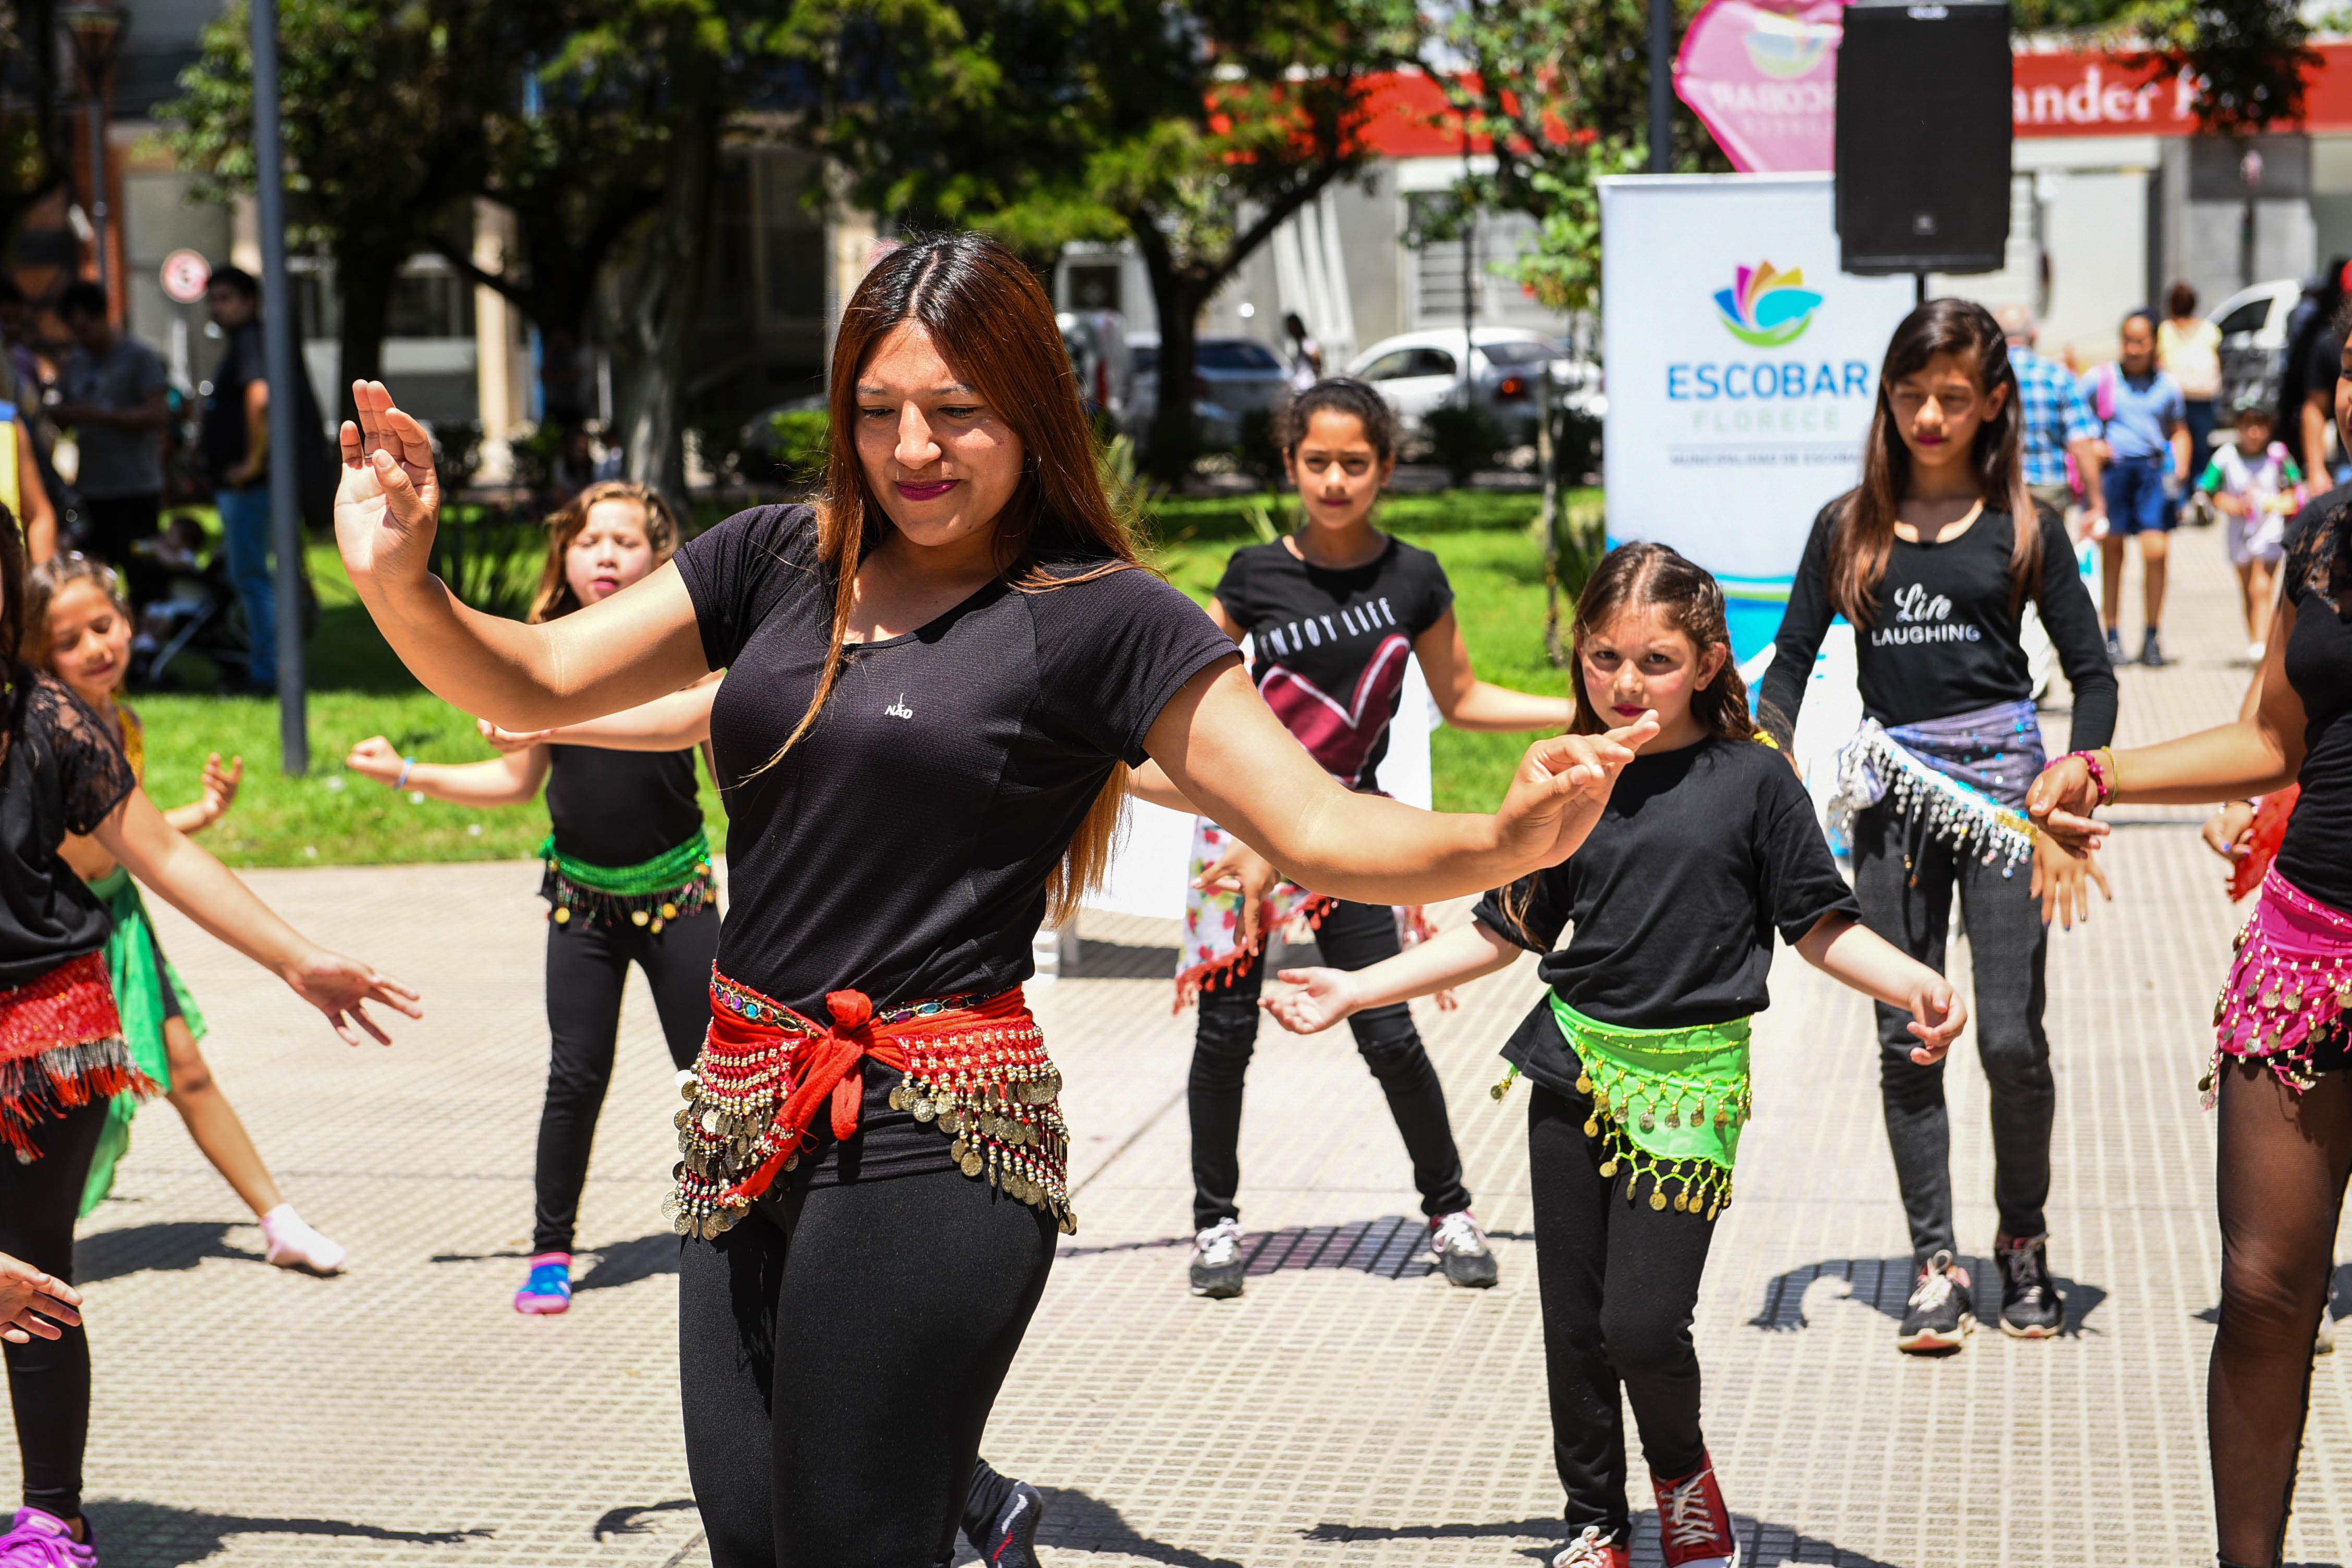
x: 33, y: 159
x: 2250, y: 58
x: 381, y: 103
x: 1195, y: 129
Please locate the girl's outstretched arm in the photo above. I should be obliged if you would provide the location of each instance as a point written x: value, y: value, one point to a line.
x: 1470, y: 703
x: 208, y: 893
x: 221, y: 781
x: 1853, y: 955
x: 1327, y: 995
x: 668, y: 723
x: 510, y: 780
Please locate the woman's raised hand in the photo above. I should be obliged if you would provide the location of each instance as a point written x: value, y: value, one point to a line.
x: 1560, y: 789
x: 375, y: 759
x: 389, y: 498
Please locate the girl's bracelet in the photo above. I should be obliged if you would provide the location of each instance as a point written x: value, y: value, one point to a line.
x: 2103, y: 773
x: 402, y: 782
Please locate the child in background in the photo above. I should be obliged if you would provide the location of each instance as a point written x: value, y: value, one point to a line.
x: 2257, y: 487
x: 79, y: 629
x: 1638, y: 1052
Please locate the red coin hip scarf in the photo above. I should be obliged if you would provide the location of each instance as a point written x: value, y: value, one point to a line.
x: 2293, y: 976
x: 977, y: 1070
x: 61, y: 1045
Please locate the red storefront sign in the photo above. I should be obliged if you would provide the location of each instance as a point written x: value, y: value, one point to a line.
x: 2089, y: 94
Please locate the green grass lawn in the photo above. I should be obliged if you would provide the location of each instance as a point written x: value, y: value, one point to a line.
x: 358, y: 689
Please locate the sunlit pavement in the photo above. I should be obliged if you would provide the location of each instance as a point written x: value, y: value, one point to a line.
x: 1350, y: 1408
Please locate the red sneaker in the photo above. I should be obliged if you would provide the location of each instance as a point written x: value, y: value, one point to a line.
x: 1589, y: 1550
x: 1692, y: 1524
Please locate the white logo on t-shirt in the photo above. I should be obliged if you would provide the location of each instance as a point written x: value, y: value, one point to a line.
x: 1922, y: 618
x: 898, y: 709
x: 1912, y: 604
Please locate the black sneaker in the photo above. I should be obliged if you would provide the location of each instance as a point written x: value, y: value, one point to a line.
x: 1010, y: 1540
x: 2031, y: 1307
x: 2151, y: 652
x: 1941, y: 1310
x: 1462, y: 1250
x: 1217, y: 1261
x: 2115, y: 645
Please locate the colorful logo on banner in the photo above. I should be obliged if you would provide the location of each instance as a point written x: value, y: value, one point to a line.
x: 1765, y: 308
x: 1762, y: 77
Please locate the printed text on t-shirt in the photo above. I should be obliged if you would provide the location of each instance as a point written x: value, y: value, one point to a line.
x: 1920, y: 619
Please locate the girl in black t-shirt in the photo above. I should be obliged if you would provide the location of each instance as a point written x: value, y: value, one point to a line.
x: 934, y: 681
x: 1933, y: 559
x: 1638, y: 1054
x: 62, y: 1054
x: 1332, y: 612
x: 2283, y: 1023
x: 628, y: 869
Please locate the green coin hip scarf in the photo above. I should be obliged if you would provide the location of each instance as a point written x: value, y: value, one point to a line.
x: 1669, y: 1103
x: 650, y: 894
x: 136, y: 964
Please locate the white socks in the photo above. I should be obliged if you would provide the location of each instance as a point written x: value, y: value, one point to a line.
x: 294, y: 1244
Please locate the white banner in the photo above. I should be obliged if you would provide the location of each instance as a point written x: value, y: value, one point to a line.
x: 1743, y: 368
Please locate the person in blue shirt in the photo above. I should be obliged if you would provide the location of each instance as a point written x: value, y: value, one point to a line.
x: 2143, y: 422
x: 2054, y: 424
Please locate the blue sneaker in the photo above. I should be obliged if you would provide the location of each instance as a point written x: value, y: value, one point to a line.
x: 549, y: 1289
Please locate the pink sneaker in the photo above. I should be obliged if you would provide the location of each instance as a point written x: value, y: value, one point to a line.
x: 549, y: 1289
x: 40, y: 1540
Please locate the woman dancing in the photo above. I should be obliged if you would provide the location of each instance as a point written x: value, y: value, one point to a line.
x: 937, y: 680
x: 62, y: 1052
x: 1333, y: 611
x: 2283, y: 1023
x: 1639, y: 1052
x: 79, y: 629
x: 1933, y: 559
x: 628, y: 869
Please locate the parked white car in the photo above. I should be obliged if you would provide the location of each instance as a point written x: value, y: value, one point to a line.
x: 1230, y: 377
x: 2253, y: 325
x: 1419, y: 372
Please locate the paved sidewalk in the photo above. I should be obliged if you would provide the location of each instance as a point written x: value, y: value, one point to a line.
x: 1350, y: 1409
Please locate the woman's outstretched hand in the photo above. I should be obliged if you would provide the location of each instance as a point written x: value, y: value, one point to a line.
x: 34, y: 1305
x: 1561, y: 785
x: 389, y: 498
x: 341, y: 988
x: 2061, y: 803
x: 1938, y: 1016
x: 1321, y: 1001
x: 2061, y: 879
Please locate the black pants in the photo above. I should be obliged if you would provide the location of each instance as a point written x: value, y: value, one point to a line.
x: 115, y: 523
x: 1910, y: 905
x: 1353, y: 936
x: 48, y: 1380
x: 838, y: 1354
x: 1618, y: 1281
x: 587, y: 963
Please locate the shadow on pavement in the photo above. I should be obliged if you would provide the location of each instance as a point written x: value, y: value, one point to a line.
x: 1883, y: 1284
x: 1762, y: 1543
x: 1076, y: 1523
x: 155, y: 1535
x: 622, y: 1263
x: 630, y: 1521
x: 1122, y: 961
x: 168, y: 1245
x: 1392, y: 1246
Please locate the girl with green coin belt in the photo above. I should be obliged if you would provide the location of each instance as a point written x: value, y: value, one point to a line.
x: 1638, y: 1055
x: 629, y: 876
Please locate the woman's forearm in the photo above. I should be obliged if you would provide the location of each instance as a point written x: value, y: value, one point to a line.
x: 192, y: 817
x: 1150, y: 782
x: 1452, y: 958
x: 1492, y: 708
x: 198, y: 886
x: 1853, y: 955
x: 668, y: 723
x: 498, y: 781
x: 2228, y: 762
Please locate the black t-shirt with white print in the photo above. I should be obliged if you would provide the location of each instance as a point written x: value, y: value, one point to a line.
x: 61, y: 771
x: 1700, y: 855
x: 903, y: 846
x: 1329, y: 645
x: 1943, y: 637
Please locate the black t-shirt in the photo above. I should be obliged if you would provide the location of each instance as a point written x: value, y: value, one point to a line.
x: 2316, y: 854
x: 621, y: 808
x: 1330, y: 646
x: 1699, y: 854
x: 221, y: 438
x: 902, y: 848
x: 1943, y: 635
x: 63, y: 773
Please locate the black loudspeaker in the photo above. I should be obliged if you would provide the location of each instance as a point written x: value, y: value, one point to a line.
x: 1923, y: 134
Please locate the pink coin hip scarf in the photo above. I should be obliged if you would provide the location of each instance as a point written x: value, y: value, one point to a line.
x: 976, y: 1070
x: 2292, y: 979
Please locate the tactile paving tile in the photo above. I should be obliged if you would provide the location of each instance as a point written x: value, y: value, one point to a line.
x: 1351, y: 1409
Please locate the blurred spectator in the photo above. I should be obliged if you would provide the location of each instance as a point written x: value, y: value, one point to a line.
x: 234, y: 446
x: 2307, y: 378
x: 2054, y: 423
x: 113, y: 392
x: 2188, y: 350
x: 23, y: 369
x: 2146, y: 435
x: 1306, y: 353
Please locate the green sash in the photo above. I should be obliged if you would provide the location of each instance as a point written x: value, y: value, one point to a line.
x: 137, y: 967
x: 1670, y: 1102
x: 651, y: 893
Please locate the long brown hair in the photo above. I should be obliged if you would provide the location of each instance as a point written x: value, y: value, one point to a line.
x: 1644, y: 576
x: 42, y: 586
x: 1864, y: 534
x: 989, y: 319
x: 555, y: 597
x: 12, y: 620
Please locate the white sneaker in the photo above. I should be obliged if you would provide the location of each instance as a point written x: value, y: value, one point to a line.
x: 1461, y: 1249
x: 2254, y: 651
x: 294, y: 1244
x: 1217, y: 1263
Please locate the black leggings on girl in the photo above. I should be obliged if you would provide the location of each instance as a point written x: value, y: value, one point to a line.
x: 1618, y: 1283
x: 1352, y: 936
x: 838, y: 1353
x: 587, y: 965
x: 48, y: 1380
x: 2281, y: 1166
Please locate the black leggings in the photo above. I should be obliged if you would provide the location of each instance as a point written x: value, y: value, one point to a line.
x: 587, y: 963
x: 1618, y: 1281
x: 838, y: 1353
x: 48, y: 1380
x: 1353, y: 936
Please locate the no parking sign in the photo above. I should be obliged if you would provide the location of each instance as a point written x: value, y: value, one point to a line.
x: 185, y: 274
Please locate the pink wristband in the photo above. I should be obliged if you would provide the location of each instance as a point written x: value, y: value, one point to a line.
x: 2098, y: 772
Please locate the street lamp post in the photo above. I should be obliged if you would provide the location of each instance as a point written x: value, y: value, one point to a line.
x: 95, y: 29
x: 278, y: 349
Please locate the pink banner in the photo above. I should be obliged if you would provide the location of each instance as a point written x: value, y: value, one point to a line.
x: 1763, y: 79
